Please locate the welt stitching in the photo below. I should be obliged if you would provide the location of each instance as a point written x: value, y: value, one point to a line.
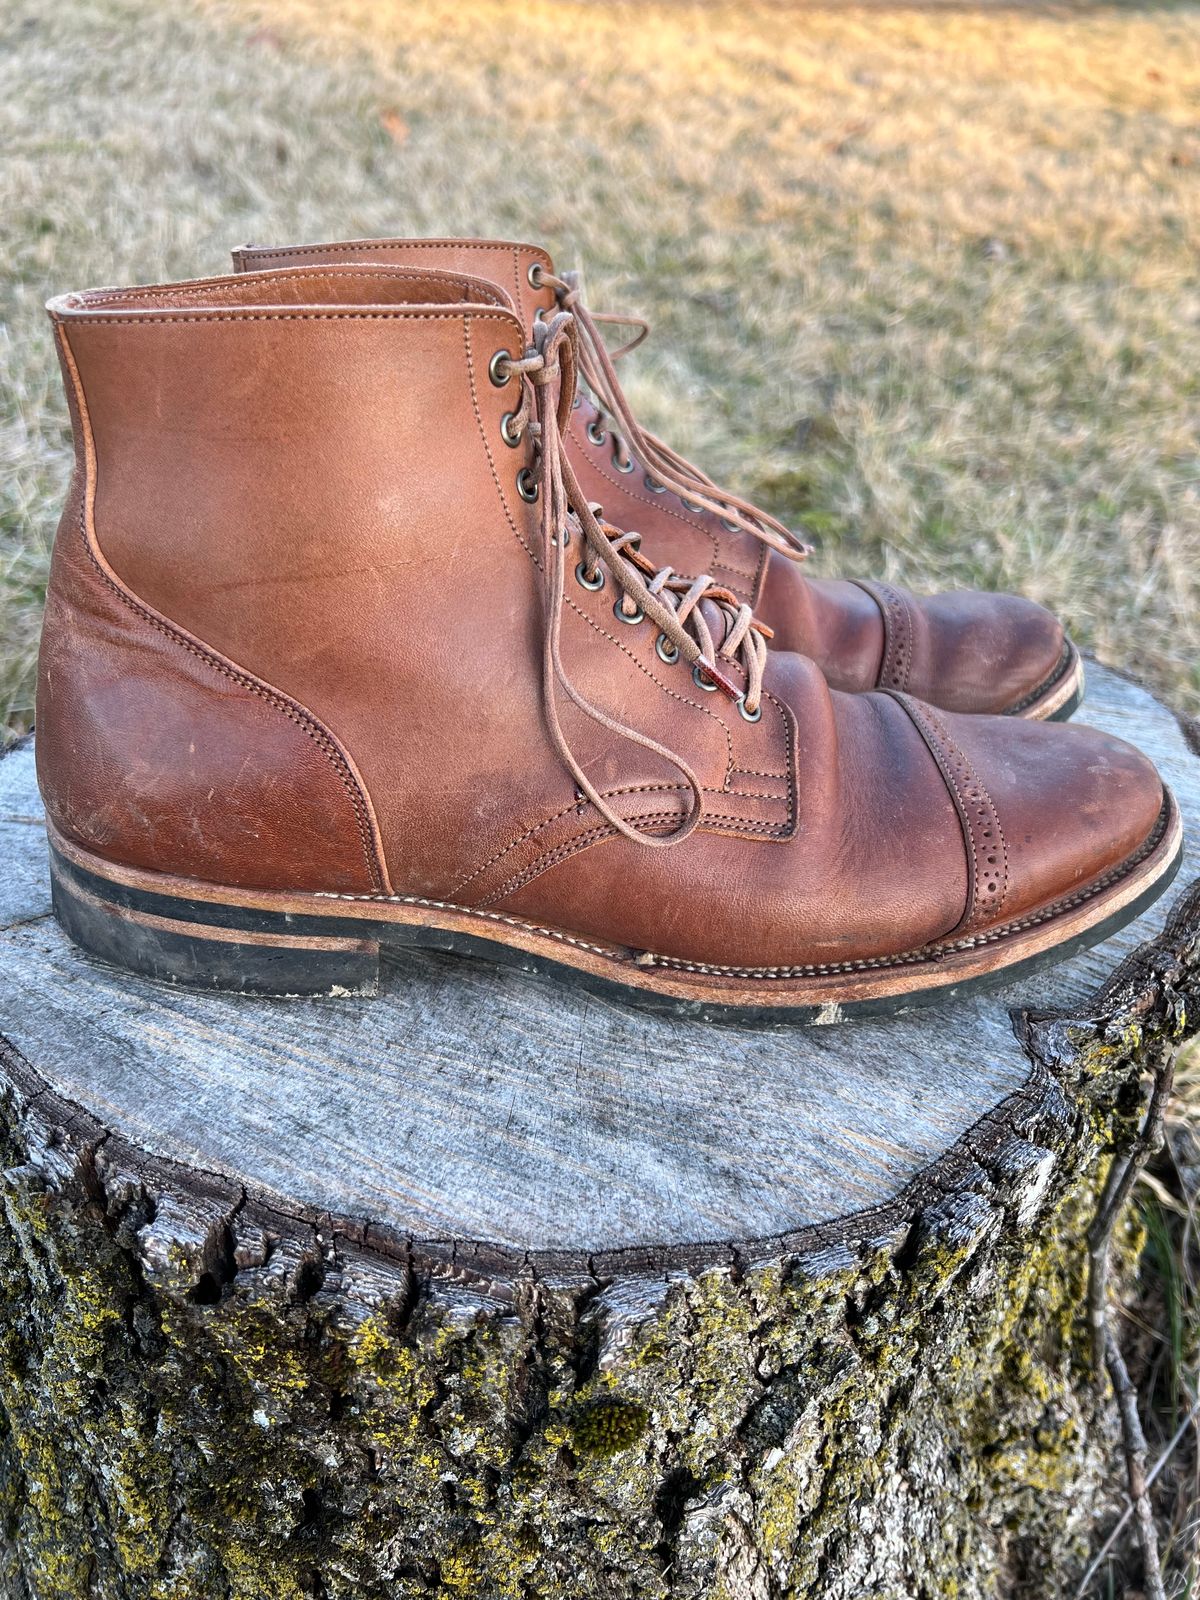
x: 290, y: 710
x: 935, y: 952
x: 926, y: 953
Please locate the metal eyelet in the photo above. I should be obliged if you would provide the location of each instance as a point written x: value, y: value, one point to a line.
x: 577, y: 402
x: 584, y: 581
x: 748, y: 716
x: 596, y: 433
x: 540, y: 314
x: 665, y: 650
x: 702, y: 682
x: 511, y: 436
x: 536, y: 281
x: 654, y: 488
x: 689, y: 505
x: 527, y: 485
x: 731, y: 526
x: 625, y: 466
x: 498, y: 377
x: 633, y: 618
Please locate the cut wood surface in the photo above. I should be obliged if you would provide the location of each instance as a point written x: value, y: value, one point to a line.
x: 618, y: 1304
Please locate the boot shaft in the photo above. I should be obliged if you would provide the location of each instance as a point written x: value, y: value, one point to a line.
x: 298, y: 537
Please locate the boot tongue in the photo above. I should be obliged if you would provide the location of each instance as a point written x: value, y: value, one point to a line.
x: 717, y: 618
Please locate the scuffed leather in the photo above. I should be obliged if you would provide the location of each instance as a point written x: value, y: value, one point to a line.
x: 304, y: 472
x: 153, y: 752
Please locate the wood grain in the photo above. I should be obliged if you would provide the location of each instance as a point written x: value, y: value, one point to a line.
x: 486, y: 1106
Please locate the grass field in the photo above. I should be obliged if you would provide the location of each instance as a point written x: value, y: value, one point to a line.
x: 924, y: 279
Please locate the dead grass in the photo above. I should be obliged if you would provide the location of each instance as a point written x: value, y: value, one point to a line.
x: 923, y: 278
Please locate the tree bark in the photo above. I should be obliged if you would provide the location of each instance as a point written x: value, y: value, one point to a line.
x: 490, y: 1289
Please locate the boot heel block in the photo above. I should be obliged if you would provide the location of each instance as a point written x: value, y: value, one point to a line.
x: 205, y: 945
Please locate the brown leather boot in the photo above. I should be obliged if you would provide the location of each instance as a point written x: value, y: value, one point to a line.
x: 964, y: 650
x: 337, y: 657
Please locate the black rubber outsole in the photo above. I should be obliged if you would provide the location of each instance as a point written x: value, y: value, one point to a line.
x: 348, y: 952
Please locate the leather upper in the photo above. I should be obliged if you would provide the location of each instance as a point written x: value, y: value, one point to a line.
x: 295, y: 638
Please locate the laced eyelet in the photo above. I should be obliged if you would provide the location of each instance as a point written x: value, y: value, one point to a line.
x: 633, y: 618
x: 653, y: 486
x: 596, y: 433
x: 584, y: 581
x: 500, y: 368
x: 748, y: 716
x: 732, y: 527
x: 666, y: 650
x: 527, y: 485
x: 536, y: 281
x: 702, y: 682
x: 625, y: 466
x: 689, y: 505
x: 511, y: 436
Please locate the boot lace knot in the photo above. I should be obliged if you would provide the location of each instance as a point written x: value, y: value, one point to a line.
x: 698, y: 620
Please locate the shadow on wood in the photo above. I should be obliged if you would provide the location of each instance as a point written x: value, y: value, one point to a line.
x: 492, y: 1288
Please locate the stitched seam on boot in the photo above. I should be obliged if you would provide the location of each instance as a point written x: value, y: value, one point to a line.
x: 291, y: 709
x: 597, y: 834
x: 895, y: 669
x: 931, y: 953
x: 975, y: 807
x: 164, y: 294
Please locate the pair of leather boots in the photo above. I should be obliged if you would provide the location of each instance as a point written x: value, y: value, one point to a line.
x: 366, y: 628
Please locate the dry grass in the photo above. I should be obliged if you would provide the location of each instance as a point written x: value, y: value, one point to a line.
x: 925, y: 278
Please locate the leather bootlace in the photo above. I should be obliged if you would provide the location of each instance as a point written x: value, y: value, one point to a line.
x: 668, y: 468
x: 673, y: 604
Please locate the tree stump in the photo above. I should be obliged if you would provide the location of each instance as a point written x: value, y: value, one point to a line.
x: 490, y: 1288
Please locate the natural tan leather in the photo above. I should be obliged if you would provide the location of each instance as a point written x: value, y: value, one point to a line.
x: 297, y: 636
x: 963, y: 650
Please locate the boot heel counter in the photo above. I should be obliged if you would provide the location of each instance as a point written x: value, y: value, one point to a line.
x: 155, y: 752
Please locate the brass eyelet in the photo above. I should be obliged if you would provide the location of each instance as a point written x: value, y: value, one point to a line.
x: 633, y: 618
x: 749, y: 716
x: 666, y: 650
x: 511, y: 436
x: 584, y: 581
x: 625, y: 466
x: 702, y: 682
x: 498, y: 377
x: 536, y: 280
x: 527, y: 485
x: 653, y: 486
x: 596, y: 433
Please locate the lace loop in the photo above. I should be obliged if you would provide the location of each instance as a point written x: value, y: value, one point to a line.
x: 669, y: 469
x: 676, y: 606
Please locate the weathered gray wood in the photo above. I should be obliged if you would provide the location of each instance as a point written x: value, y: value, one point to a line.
x: 475, y: 1103
x: 491, y: 1288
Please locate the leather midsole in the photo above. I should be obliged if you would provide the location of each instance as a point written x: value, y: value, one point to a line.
x: 328, y: 920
